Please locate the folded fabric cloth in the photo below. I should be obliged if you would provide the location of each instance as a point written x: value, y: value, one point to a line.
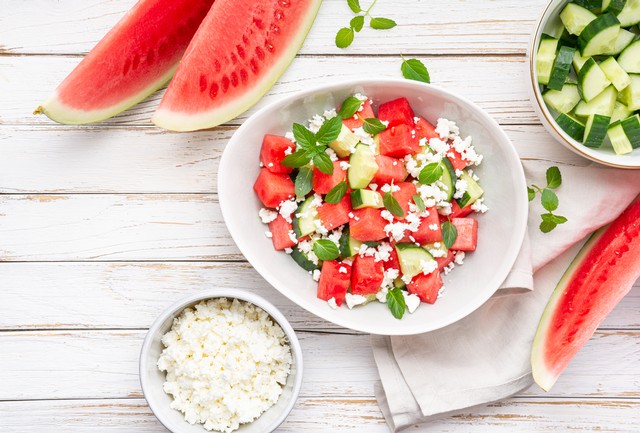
x: 485, y: 357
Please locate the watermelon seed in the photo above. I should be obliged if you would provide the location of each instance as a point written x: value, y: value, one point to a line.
x: 268, y: 45
x: 254, y: 66
x: 216, y: 64
x: 213, y: 92
x: 203, y: 83
x: 245, y: 39
x: 278, y: 15
x: 285, y: 3
x: 234, y: 79
x: 234, y: 59
x: 258, y: 23
x: 240, y: 51
x: 225, y: 84
x: 244, y: 76
x: 259, y: 53
x: 274, y: 29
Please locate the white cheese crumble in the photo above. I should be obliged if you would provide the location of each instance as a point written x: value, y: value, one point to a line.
x: 332, y: 303
x: 479, y: 206
x: 226, y: 363
x: 412, y: 301
x: 316, y: 275
x: 344, y: 165
x: 268, y: 234
x: 286, y: 208
x: 267, y: 215
x: 354, y: 300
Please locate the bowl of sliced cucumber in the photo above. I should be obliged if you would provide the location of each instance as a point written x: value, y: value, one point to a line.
x: 584, y: 65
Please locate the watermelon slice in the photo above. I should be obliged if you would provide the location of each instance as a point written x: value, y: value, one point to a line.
x: 133, y: 60
x: 357, y: 120
x: 366, y: 275
x: 322, y: 182
x: 239, y: 51
x: 598, y: 278
x: 335, y: 279
x: 367, y: 225
x: 273, y: 188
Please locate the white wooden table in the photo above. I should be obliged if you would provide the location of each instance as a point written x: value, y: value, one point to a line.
x: 101, y: 227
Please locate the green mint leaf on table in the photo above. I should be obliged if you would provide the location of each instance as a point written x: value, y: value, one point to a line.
x: 549, y: 200
x: 414, y: 69
x: 373, y: 126
x: 357, y: 23
x: 349, y: 107
x: 354, y: 5
x: 325, y: 249
x: 297, y: 159
x: 395, y: 302
x: 554, y: 178
x: 344, y: 37
x: 304, y: 138
x: 303, y: 181
x: 336, y: 193
x: 329, y: 131
x: 430, y: 173
x: 382, y: 23
x: 531, y: 193
x: 418, y: 201
x: 392, y: 205
x: 449, y: 234
x: 547, y: 226
x: 323, y: 162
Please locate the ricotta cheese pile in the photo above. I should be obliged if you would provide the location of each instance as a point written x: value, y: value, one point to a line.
x: 226, y: 362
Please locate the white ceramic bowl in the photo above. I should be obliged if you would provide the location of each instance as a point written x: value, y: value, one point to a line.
x: 550, y: 23
x: 152, y: 379
x: 501, y: 230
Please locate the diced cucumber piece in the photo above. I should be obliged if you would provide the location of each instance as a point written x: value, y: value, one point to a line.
x: 629, y: 58
x: 366, y: 198
x: 448, y: 177
x: 614, y: 73
x: 413, y: 259
x: 575, y: 18
x: 363, y: 167
x: 545, y: 58
x: 437, y: 249
x: 303, y: 260
x: 567, y: 39
x: 599, y: 36
x: 620, y: 112
x: 596, y: 130
x: 630, y: 13
x: 623, y: 40
x: 571, y: 126
x: 592, y: 80
x: 613, y: 6
x: 619, y: 140
x: 631, y: 127
x: 631, y: 94
x: 345, y: 142
x: 347, y: 245
x: 305, y: 217
x: 473, y: 193
x: 602, y: 104
x: 578, y: 61
x: 563, y: 101
x: 561, y: 67
x: 594, y: 6
x: 399, y: 284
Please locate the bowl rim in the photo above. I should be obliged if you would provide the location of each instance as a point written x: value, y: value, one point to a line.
x: 181, y: 304
x: 520, y: 206
x: 547, y: 120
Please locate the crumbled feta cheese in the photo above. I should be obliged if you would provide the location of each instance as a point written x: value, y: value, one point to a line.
x: 261, y: 164
x: 268, y: 234
x: 289, y: 250
x: 350, y: 215
x: 428, y: 266
x: 440, y: 292
x: 389, y: 188
x: 387, y: 215
x: 288, y: 151
x: 395, y: 230
x: 332, y: 303
x: 461, y: 188
x: 381, y: 296
x: 354, y: 300
x: 364, y: 136
x: 383, y: 252
x: 442, y: 128
x: 344, y: 165
x: 416, y: 119
x: 315, y: 123
x: 385, y: 123
x: 479, y: 206
x: 449, y: 268
x: 267, y: 215
x: 459, y: 258
x: 292, y: 237
x: 434, y: 226
x: 289, y: 136
x: 270, y: 165
x: 286, y: 208
x: 342, y: 270
x: 412, y: 301
x: 360, y: 96
x: 316, y: 275
x: 330, y: 114
x: 373, y: 186
x: 389, y: 277
x: 332, y: 154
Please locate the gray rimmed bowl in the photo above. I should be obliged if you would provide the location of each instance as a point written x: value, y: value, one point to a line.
x: 152, y: 379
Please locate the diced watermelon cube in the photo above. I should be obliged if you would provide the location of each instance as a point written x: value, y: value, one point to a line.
x: 443, y: 262
x: 426, y: 286
x: 396, y: 112
x: 425, y: 129
x: 393, y: 262
x: 389, y: 170
x: 357, y: 120
x: 322, y: 182
x: 335, y: 215
x: 456, y: 159
x: 399, y: 141
x: 273, y: 188
x: 367, y: 276
x: 404, y: 196
x: 458, y: 212
x: 467, y: 234
x: 425, y: 233
x: 367, y: 225
x: 273, y: 152
x: 280, y: 230
x: 333, y: 283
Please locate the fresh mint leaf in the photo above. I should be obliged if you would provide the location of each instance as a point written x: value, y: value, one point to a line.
x: 380, y: 23
x: 349, y: 107
x: 549, y: 200
x: 554, y: 178
x: 449, y: 234
x: 336, y: 193
x: 418, y: 201
x: 344, y: 37
x: 303, y: 182
x: 392, y: 205
x: 354, y: 5
x: 547, y: 226
x: 396, y: 303
x: 414, y: 69
x: 556, y: 219
x: 357, y: 23
x: 373, y: 126
x: 325, y: 249
x: 297, y: 159
x: 323, y: 162
x: 430, y: 173
x: 304, y: 138
x: 531, y: 193
x: 329, y: 130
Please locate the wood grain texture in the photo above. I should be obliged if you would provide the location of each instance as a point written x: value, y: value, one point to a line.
x: 424, y: 26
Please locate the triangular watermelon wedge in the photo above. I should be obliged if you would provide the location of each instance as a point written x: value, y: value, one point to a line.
x: 598, y: 278
x: 238, y: 53
x: 133, y: 60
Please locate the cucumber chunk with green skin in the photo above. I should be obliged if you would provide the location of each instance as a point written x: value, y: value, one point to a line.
x: 594, y: 6
x: 631, y: 94
x: 631, y: 127
x: 363, y: 167
x: 473, y: 192
x: 571, y: 126
x: 345, y: 142
x: 614, y: 73
x: 630, y: 13
x: 303, y: 260
x: 602, y: 104
x: 575, y: 18
x: 613, y: 6
x: 448, y: 177
x: 591, y: 80
x: 563, y: 101
x: 361, y: 198
x: 620, y: 112
x: 599, y: 36
x: 629, y: 58
x: 596, y: 130
x: 561, y: 67
x: 578, y: 61
x: 347, y: 245
x: 545, y: 58
x: 413, y: 259
x: 625, y: 37
x: 304, y: 224
x: 619, y: 140
x: 568, y: 40
x: 399, y: 284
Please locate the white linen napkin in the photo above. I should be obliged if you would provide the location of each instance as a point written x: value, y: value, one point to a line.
x: 485, y: 357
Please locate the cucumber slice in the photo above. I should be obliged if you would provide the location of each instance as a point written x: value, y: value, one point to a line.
x: 630, y: 13
x: 448, y: 177
x: 578, y: 61
x: 347, y: 245
x: 305, y: 217
x: 631, y: 127
x: 561, y: 67
x: 614, y: 73
x: 567, y: 39
x: 571, y: 126
x: 592, y: 80
x: 437, y: 251
x: 625, y: 37
x: 629, y: 59
x: 599, y: 36
x: 619, y: 140
x: 575, y: 18
x: 594, y: 6
x: 303, y: 260
x: 545, y: 58
x: 631, y: 94
x: 563, y: 100
x: 602, y: 104
x: 613, y: 6
x: 413, y: 259
x: 363, y: 167
x: 596, y: 130
x: 620, y: 112
x: 366, y: 198
x: 345, y: 142
x: 399, y: 284
x: 473, y: 193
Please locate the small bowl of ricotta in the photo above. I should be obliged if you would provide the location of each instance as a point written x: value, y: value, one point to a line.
x: 221, y: 360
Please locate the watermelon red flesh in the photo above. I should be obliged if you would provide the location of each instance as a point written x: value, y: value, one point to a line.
x: 357, y: 120
x: 467, y: 234
x: 280, y: 230
x: 404, y: 196
x: 273, y: 151
x: 389, y: 170
x: 322, y: 182
x: 335, y: 215
x: 598, y: 278
x: 237, y: 54
x: 366, y: 276
x: 367, y: 225
x: 425, y: 233
x: 456, y: 159
x: 273, y: 188
x: 399, y: 141
x: 443, y: 262
x: 457, y: 211
x: 132, y: 61
x: 426, y: 286
x: 333, y: 283
x: 425, y: 129
x: 393, y: 262
x: 396, y: 112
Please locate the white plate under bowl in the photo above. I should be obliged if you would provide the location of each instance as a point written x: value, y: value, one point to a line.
x: 501, y: 230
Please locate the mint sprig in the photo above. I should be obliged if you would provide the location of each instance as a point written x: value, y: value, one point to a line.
x: 303, y: 182
x: 325, y: 249
x: 312, y: 147
x: 392, y: 205
x: 335, y: 194
x: 548, y: 199
x: 346, y: 35
x: 373, y: 126
x: 350, y: 107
